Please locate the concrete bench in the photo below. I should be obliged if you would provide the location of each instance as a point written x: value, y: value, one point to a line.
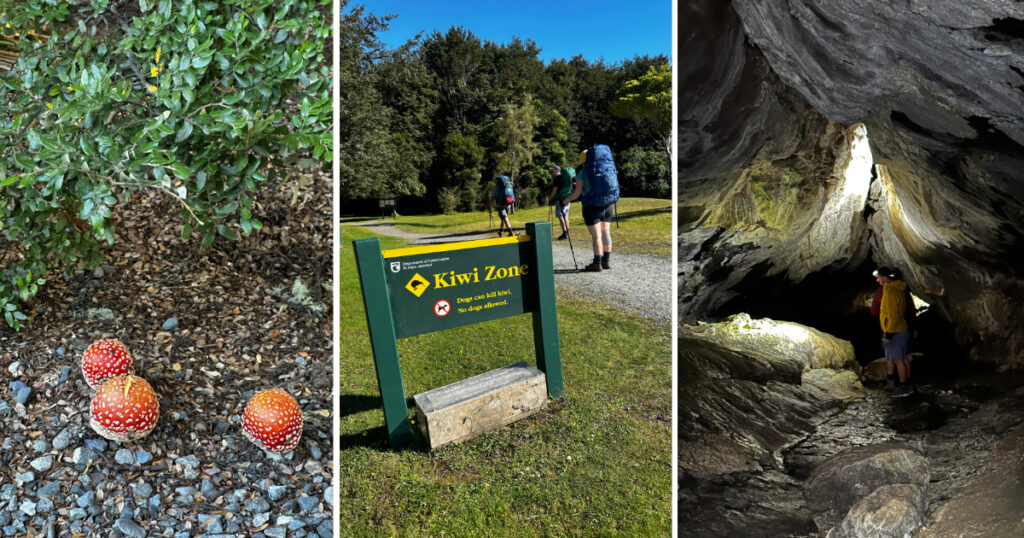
x: 482, y: 403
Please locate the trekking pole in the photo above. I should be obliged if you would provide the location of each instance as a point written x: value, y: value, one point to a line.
x: 616, y: 214
x: 490, y: 219
x: 574, y: 264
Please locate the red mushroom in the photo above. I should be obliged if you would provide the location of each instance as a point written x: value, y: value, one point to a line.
x: 124, y: 408
x: 103, y: 360
x: 273, y: 421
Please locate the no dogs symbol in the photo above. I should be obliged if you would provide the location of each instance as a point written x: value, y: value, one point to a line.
x: 442, y: 308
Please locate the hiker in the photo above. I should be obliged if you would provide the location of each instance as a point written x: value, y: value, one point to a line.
x: 562, y: 180
x: 896, y: 315
x: 502, y: 196
x: 597, y: 186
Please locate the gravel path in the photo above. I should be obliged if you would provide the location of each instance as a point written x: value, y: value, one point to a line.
x: 639, y: 283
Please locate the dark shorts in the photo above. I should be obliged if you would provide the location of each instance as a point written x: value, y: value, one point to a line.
x: 899, y: 347
x: 592, y: 214
x: 502, y: 212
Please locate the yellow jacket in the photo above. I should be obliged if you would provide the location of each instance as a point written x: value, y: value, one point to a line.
x: 894, y: 305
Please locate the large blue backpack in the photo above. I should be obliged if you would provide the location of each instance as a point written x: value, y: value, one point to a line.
x: 510, y: 195
x: 603, y: 177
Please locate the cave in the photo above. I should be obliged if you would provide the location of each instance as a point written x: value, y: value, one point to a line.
x: 817, y: 141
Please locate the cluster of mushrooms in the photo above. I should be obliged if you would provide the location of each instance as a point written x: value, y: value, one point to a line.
x: 125, y: 408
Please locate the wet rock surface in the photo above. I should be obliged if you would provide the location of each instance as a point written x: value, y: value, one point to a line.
x: 751, y: 496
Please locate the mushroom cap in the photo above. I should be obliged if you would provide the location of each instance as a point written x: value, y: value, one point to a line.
x: 273, y: 421
x: 124, y: 408
x: 105, y: 359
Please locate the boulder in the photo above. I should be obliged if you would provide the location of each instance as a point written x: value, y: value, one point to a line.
x: 843, y: 479
x: 892, y: 511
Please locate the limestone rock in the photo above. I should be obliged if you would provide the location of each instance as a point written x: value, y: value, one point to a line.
x: 846, y: 477
x: 891, y: 511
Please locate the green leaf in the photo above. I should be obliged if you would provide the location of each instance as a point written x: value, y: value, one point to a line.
x: 227, y: 232
x: 184, y: 132
x: 208, y: 239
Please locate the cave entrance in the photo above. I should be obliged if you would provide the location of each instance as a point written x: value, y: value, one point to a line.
x: 837, y: 300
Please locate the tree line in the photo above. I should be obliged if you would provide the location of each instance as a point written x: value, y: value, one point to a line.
x: 435, y: 120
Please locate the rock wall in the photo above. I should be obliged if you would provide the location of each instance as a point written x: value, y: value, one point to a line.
x: 939, y: 86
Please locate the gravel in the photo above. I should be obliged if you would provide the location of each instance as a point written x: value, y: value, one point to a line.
x: 42, y: 463
x: 170, y: 324
x: 62, y: 439
x: 124, y: 456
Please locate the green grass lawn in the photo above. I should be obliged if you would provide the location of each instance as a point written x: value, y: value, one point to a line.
x: 645, y: 224
x: 597, y: 461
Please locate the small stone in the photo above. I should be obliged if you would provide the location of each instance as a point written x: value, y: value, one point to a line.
x: 25, y: 395
x: 5, y: 408
x: 28, y: 507
x: 62, y: 351
x: 14, y: 369
x: 83, y: 455
x: 221, y: 427
x: 208, y: 490
x: 6, y: 492
x: 25, y: 477
x: 188, y: 461
x: 301, y: 361
x: 171, y: 324
x: 51, y: 488
x: 108, y: 269
x: 329, y: 494
x: 296, y: 524
x: 44, y: 505
x: 259, y: 519
x: 212, y: 523
x: 307, y: 504
x: 124, y: 456
x: 85, y: 500
x: 142, y: 490
x: 97, y: 272
x: 258, y: 505
x: 42, y: 463
x: 77, y: 513
x: 325, y: 529
x: 99, y: 445
x: 130, y: 528
x: 314, y: 450
x: 65, y: 373
x: 275, y: 532
x: 17, y: 385
x: 41, y: 446
x: 276, y: 493
x: 143, y: 457
x: 62, y: 440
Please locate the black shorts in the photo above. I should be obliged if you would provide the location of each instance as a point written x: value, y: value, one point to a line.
x: 592, y: 214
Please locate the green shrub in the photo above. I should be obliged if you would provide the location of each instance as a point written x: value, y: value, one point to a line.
x: 205, y: 102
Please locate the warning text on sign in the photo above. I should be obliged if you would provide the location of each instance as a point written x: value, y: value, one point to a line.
x: 483, y: 301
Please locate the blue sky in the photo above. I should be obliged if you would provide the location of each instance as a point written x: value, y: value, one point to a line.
x: 613, y: 30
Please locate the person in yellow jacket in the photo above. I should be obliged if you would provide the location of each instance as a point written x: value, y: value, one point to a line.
x: 895, y: 330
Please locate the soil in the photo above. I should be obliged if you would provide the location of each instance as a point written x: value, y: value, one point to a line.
x: 239, y: 330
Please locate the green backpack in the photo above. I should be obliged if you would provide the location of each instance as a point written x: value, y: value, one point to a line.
x: 566, y: 182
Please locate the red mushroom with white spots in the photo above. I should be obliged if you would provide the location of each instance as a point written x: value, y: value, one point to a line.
x: 105, y: 359
x: 124, y: 408
x: 273, y: 421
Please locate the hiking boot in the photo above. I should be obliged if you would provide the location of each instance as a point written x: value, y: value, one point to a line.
x: 594, y: 267
x: 605, y: 264
x: 562, y: 237
x: 902, y: 391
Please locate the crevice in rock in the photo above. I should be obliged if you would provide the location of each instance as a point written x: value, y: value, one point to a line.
x: 1006, y: 29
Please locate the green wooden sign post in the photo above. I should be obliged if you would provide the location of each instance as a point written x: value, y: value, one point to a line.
x: 418, y: 290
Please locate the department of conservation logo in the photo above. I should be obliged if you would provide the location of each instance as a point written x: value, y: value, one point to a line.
x: 417, y: 285
x: 396, y: 267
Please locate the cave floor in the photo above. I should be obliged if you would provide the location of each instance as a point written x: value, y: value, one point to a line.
x: 970, y: 429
